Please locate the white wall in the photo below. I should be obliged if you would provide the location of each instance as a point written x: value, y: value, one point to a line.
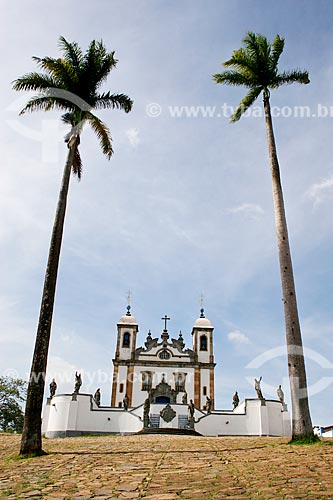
x: 249, y: 419
x: 67, y: 417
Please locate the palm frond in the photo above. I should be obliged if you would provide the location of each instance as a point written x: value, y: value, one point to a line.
x: 289, y: 77
x: 61, y: 70
x: 118, y: 101
x: 233, y: 78
x: 34, y: 81
x: 241, y: 61
x: 102, y: 132
x: 277, y: 49
x: 97, y: 65
x: 258, y: 48
x: 77, y: 164
x: 72, y: 52
x: 248, y: 100
x: 108, y: 64
x: 43, y: 103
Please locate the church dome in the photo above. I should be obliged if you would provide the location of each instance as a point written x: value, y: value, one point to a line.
x: 202, y: 322
x: 127, y: 319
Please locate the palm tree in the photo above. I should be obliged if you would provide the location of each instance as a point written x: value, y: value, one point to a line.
x: 255, y: 66
x: 70, y: 84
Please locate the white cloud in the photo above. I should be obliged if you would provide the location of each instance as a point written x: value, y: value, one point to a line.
x: 250, y: 210
x: 237, y: 337
x: 132, y: 135
x: 319, y: 192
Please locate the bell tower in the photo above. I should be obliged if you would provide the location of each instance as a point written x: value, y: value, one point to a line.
x: 202, y: 334
x: 122, y: 384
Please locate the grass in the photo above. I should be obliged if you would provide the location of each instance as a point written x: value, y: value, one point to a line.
x: 305, y: 440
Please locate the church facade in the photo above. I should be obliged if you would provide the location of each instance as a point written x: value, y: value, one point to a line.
x: 163, y: 387
x: 163, y: 370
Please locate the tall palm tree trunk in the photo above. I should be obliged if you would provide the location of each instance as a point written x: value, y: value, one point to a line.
x: 301, y: 419
x: 31, y: 442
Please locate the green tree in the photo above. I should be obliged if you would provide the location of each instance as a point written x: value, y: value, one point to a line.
x: 70, y: 84
x: 255, y: 66
x: 12, y: 395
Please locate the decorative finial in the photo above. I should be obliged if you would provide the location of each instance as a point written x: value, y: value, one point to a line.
x: 149, y: 333
x: 180, y: 334
x: 202, y: 310
x: 128, y: 303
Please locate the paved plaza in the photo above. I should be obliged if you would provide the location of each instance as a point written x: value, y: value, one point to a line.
x: 157, y: 467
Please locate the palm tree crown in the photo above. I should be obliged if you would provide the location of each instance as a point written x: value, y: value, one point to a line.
x: 255, y: 66
x: 71, y: 84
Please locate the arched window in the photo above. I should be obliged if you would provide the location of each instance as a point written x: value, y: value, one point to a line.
x: 164, y: 354
x: 203, y: 343
x: 180, y: 382
x: 126, y: 339
x: 146, y: 381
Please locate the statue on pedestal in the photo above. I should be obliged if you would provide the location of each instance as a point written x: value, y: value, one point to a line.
x: 280, y: 394
x: 258, y: 388
x: 53, y: 388
x: 191, y: 408
x: 235, y: 400
x: 78, y: 383
x: 209, y: 404
x: 97, y: 397
x: 146, y: 409
x: 190, y: 418
x: 125, y: 402
x: 184, y: 398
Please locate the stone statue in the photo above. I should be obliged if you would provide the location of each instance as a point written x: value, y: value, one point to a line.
x: 191, y: 408
x: 190, y: 418
x: 78, y: 383
x: 280, y: 394
x: 184, y: 398
x: 146, y: 409
x: 53, y: 388
x: 97, y: 397
x: 209, y: 404
x: 125, y: 402
x: 258, y: 388
x: 235, y: 400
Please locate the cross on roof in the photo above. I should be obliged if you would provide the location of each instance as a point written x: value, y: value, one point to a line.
x: 165, y: 319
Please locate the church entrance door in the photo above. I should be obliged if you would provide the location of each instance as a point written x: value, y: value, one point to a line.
x: 162, y: 400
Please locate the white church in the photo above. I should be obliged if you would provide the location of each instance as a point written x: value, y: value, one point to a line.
x: 163, y: 387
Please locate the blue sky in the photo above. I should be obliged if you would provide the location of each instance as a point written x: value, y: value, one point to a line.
x: 184, y: 207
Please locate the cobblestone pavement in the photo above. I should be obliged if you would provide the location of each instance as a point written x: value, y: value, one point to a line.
x: 167, y: 468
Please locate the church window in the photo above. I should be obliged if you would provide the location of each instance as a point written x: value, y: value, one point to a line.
x: 180, y: 382
x: 126, y: 339
x: 121, y: 388
x: 164, y: 355
x: 204, y: 390
x: 146, y: 381
x: 203, y: 343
